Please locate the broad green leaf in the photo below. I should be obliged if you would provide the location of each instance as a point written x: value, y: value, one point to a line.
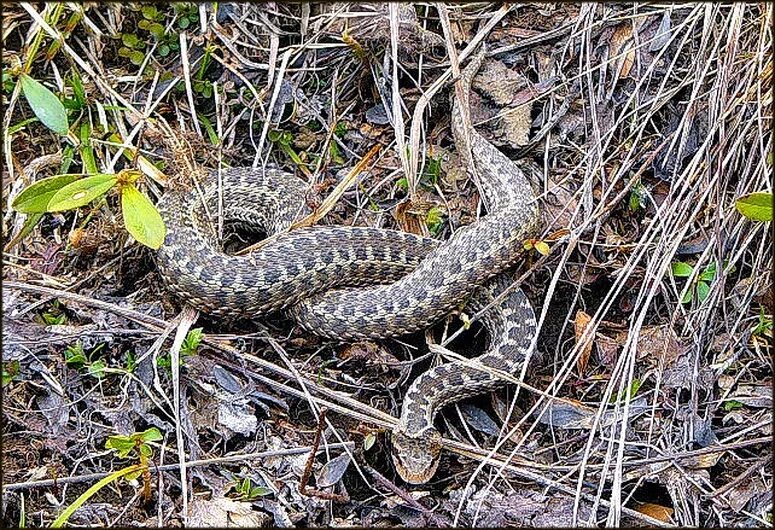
x: 45, y: 105
x: 703, y: 289
x: 151, y: 435
x: 542, y: 247
x: 123, y: 445
x: 756, y: 206
x: 35, y: 198
x: 681, y: 269
x: 141, y: 218
x: 81, y: 192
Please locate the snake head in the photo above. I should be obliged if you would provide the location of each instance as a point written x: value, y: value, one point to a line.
x: 416, y: 456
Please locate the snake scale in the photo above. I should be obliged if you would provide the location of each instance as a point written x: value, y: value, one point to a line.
x: 353, y: 283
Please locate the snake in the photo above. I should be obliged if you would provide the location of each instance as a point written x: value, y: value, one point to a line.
x: 353, y: 283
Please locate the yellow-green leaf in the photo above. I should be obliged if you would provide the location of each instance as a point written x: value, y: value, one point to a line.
x: 35, y: 197
x: 681, y: 269
x: 756, y: 206
x: 81, y: 192
x: 45, y: 105
x: 542, y: 248
x: 141, y: 218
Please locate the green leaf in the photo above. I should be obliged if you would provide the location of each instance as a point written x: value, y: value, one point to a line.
x: 183, y: 23
x: 97, y: 369
x: 89, y: 493
x: 141, y: 218
x: 123, y: 445
x: 157, y: 30
x: 703, y: 289
x: 688, y: 295
x: 45, y: 105
x: 260, y: 491
x: 130, y: 40
x: 191, y: 343
x: 146, y: 451
x: 681, y: 269
x: 35, y: 198
x: 150, y: 12
x: 709, y: 274
x: 756, y: 206
x: 434, y: 220
x: 732, y: 404
x: 75, y: 356
x: 151, y: 435
x: 87, y: 151
x: 13, y: 129
x: 368, y: 442
x: 78, y: 91
x: 81, y: 192
x: 136, y: 57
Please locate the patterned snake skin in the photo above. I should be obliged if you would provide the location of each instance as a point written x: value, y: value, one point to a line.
x: 405, y: 282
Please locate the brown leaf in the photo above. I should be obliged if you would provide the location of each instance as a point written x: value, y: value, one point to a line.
x: 621, y: 40
x: 659, y: 341
x: 607, y: 349
x: 579, y: 325
x: 656, y: 511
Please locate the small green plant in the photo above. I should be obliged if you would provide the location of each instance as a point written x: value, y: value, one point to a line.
x: 244, y: 490
x: 191, y: 342
x: 732, y: 404
x: 434, y: 219
x: 10, y: 371
x: 150, y: 26
x: 284, y: 140
x: 637, y: 194
x: 700, y: 287
x: 130, y: 361
x: 187, y: 349
x: 630, y: 391
x: 71, y: 191
x: 136, y: 443
x: 123, y: 446
x: 764, y: 325
x: 76, y: 357
x: 431, y: 173
x: 54, y: 314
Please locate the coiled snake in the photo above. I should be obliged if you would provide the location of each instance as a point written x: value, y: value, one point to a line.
x: 354, y: 283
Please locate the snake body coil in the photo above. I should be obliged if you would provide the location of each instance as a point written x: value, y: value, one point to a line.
x: 353, y: 283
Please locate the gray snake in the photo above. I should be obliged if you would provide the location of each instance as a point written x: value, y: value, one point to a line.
x: 353, y: 283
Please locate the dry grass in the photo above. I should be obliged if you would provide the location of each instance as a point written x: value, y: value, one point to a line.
x: 648, y: 122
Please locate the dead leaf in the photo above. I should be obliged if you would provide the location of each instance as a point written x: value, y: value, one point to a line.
x: 333, y: 471
x: 568, y: 414
x: 621, y: 41
x: 656, y: 511
x: 579, y: 325
x: 657, y: 342
x: 607, y: 349
x: 222, y: 512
